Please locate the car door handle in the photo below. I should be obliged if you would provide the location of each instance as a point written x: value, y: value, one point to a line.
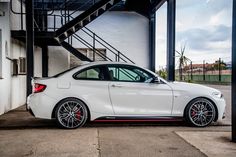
x: 116, y: 85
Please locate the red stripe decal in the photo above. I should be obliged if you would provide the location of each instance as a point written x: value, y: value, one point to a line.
x: 138, y: 120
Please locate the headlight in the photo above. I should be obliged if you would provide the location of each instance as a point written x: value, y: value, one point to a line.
x: 217, y: 94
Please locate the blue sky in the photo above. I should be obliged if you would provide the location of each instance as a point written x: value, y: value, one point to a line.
x: 204, y: 26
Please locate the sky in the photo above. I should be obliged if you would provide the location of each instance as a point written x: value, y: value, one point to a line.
x: 203, y: 26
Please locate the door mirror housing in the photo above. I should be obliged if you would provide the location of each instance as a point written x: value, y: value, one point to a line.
x: 156, y: 80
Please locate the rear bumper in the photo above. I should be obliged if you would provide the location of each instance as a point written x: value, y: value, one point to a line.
x: 40, y: 105
x: 31, y: 112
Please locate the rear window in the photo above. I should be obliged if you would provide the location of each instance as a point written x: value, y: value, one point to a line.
x: 57, y: 75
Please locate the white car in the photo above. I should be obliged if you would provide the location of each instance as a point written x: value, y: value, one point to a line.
x: 111, y: 91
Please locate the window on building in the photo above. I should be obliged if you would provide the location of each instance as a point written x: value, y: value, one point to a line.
x: 74, y: 61
x: 14, y: 67
x: 22, y: 66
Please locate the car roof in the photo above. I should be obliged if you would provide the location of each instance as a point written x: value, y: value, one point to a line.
x: 105, y: 62
x: 86, y: 64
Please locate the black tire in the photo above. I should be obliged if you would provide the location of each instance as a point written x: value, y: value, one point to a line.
x: 71, y: 113
x: 200, y: 112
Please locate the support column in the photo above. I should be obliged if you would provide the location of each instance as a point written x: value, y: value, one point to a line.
x: 152, y: 42
x: 171, y: 6
x: 29, y: 44
x: 233, y: 92
x: 45, y: 61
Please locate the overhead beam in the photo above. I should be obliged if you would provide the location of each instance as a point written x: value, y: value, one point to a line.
x: 233, y: 92
x: 171, y: 9
x: 29, y: 44
x: 152, y: 41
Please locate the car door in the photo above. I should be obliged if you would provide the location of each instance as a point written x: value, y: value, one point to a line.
x: 91, y: 85
x: 132, y: 94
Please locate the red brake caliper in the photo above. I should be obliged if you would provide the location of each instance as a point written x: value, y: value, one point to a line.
x: 78, y: 114
x: 193, y: 113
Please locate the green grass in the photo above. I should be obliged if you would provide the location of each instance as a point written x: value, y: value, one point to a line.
x: 209, y: 79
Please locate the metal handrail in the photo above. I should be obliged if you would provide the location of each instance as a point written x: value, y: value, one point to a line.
x: 65, y: 15
x: 119, y: 54
x: 21, y: 6
x: 107, y: 44
x: 91, y: 47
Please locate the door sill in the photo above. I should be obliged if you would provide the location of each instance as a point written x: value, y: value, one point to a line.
x: 138, y: 119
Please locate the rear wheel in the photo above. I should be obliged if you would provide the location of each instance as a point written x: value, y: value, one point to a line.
x: 71, y: 113
x: 200, y: 112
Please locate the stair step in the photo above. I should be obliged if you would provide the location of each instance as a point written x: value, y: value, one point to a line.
x: 104, y: 7
x: 84, y: 18
x: 78, y: 26
x: 111, y: 2
x: 96, y: 13
x: 65, y: 34
x: 70, y: 32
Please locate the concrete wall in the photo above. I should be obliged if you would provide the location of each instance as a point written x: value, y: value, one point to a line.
x: 13, y: 88
x: 58, y: 60
x: 126, y: 31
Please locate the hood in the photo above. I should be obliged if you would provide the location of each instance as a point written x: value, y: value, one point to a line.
x: 191, y: 87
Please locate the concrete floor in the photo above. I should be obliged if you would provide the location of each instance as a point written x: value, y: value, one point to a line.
x: 23, y: 135
x: 218, y: 143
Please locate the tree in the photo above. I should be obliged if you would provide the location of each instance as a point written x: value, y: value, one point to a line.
x: 162, y: 73
x: 183, y: 60
x: 219, y: 64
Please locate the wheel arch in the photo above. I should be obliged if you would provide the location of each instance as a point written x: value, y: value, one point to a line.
x: 54, y: 109
x: 216, y: 108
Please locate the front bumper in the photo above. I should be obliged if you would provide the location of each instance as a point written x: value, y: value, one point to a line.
x: 221, y: 104
x: 223, y: 116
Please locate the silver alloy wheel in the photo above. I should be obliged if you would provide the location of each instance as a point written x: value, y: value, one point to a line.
x: 201, y: 112
x: 71, y: 114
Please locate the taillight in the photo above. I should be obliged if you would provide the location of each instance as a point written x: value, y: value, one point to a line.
x: 39, y: 87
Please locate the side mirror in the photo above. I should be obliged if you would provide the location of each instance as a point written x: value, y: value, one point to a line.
x: 156, y: 80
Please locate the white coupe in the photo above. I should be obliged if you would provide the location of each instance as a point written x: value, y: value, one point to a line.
x: 110, y: 91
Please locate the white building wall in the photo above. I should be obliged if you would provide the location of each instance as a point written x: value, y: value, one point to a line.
x: 5, y: 81
x: 126, y: 31
x: 58, y: 60
x: 13, y: 88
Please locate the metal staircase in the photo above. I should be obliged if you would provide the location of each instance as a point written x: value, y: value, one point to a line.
x: 66, y: 33
x: 84, y: 18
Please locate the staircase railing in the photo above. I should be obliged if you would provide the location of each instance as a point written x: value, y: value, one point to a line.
x: 118, y: 56
x: 96, y: 39
x: 95, y: 50
x: 64, y: 18
x: 74, y: 11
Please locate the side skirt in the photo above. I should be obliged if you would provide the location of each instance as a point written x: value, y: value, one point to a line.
x: 138, y: 119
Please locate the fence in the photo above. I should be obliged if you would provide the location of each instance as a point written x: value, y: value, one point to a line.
x: 208, y: 78
x: 218, y: 71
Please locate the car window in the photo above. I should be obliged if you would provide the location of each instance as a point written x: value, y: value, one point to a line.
x: 128, y: 74
x: 90, y: 74
x: 61, y: 73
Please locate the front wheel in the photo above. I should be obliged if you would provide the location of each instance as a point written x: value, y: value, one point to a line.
x: 200, y: 112
x: 71, y: 113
